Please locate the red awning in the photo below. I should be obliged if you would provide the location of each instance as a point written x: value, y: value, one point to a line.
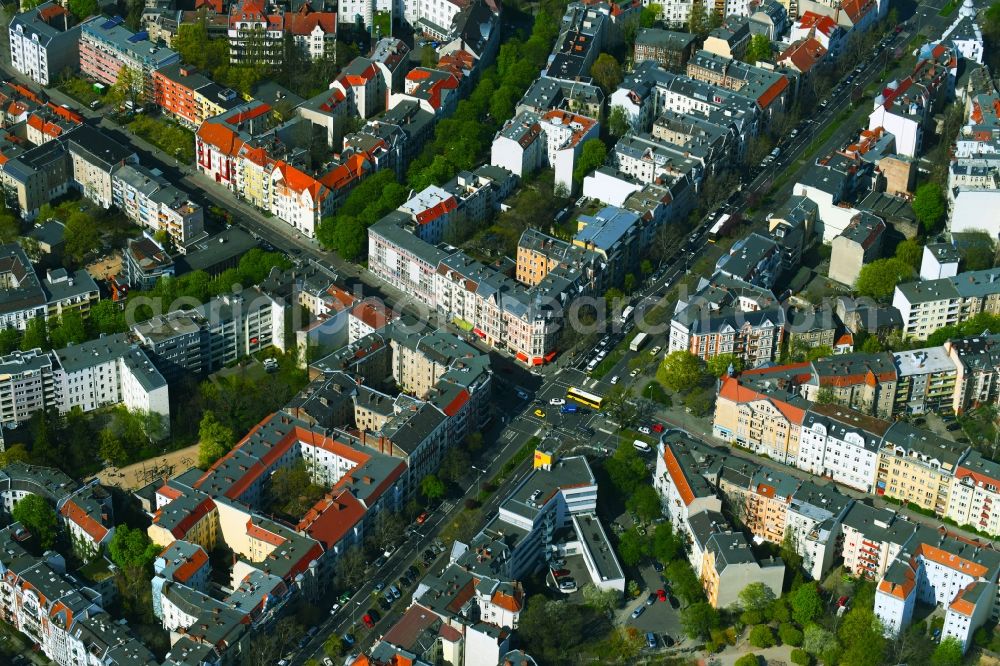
x: 551, y: 355
x: 479, y: 332
x: 521, y: 356
x: 537, y: 360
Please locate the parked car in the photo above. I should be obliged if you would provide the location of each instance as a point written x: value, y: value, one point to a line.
x: 380, y: 561
x: 634, y: 372
x: 557, y: 402
x: 655, y: 350
x: 661, y: 595
x: 559, y: 573
x: 645, y: 430
x: 651, y: 639
x: 413, y: 572
x: 651, y: 599
x: 394, y: 591
x: 367, y: 619
x: 336, y: 607
x: 379, y: 586
x: 637, y: 612
x: 374, y: 615
x: 567, y: 585
x: 841, y: 602
x: 422, y: 518
x: 384, y: 603
x: 668, y: 641
x: 614, y: 380
x: 658, y: 428
x: 673, y: 602
x: 540, y: 413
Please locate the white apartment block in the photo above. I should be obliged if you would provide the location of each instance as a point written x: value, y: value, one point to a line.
x: 841, y: 444
x: 26, y: 385
x: 44, y: 42
x: 872, y: 538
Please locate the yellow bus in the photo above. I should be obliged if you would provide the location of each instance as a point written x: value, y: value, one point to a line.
x: 583, y: 398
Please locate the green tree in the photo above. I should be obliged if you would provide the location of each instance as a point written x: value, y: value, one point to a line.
x: 911, y: 252
x: 127, y: 91
x: 818, y: 641
x: 667, y: 546
x: 428, y: 57
x: 551, y: 629
x: 10, y: 226
x: 603, y: 601
x: 948, y: 652
x: 10, y: 339
x: 645, y: 502
x: 606, y: 72
x: 685, y: 581
x: 719, y: 365
x: 82, y: 235
x: 626, y: 470
x: 214, y: 439
x: 132, y: 548
x: 807, y: 604
x: 790, y: 635
x: 81, y: 9
x: 432, y: 488
x: 14, y: 453
x: 878, y: 279
x: 991, y: 22
x: 36, y: 335
x: 680, y: 371
x: 761, y: 636
x: 632, y: 547
x: 70, y: 330
x: 699, y: 619
x: 862, y: 638
x: 698, y: 22
x: 929, y: 205
x: 747, y: 660
x: 800, y: 657
x: 756, y: 597
x: 816, y: 353
x: 35, y: 514
x: 592, y: 155
x: 333, y: 646
x: 758, y: 49
x: 651, y: 13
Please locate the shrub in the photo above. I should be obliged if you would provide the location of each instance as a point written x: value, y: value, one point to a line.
x: 790, y: 635
x: 761, y: 636
x: 779, y: 611
x: 801, y: 657
x: 747, y: 660
x: 751, y: 617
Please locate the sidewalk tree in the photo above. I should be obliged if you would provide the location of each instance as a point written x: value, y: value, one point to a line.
x: 432, y: 488
x: 39, y: 518
x: 680, y: 371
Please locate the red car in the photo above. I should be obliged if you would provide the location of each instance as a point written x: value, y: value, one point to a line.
x: 559, y: 573
x: 661, y: 594
x: 843, y: 601
x: 422, y: 518
x: 658, y: 427
x: 369, y: 622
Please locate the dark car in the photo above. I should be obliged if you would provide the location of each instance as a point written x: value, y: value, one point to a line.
x: 404, y: 581
x: 384, y: 603
x: 658, y: 566
x: 413, y: 572
x: 651, y: 599
x: 673, y: 602
x: 348, y: 639
x: 952, y: 427
x: 380, y: 562
x: 375, y: 615
x: 428, y: 554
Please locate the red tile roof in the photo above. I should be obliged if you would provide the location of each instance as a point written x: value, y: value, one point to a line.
x: 331, y: 518
x: 304, y: 21
x: 257, y: 532
x: 72, y: 512
x: 677, y: 476
x: 804, y: 54
x: 733, y: 391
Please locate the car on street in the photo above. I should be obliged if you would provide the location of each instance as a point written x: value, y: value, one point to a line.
x: 644, y: 430
x: 655, y: 350
x: 334, y: 609
x: 367, y: 619
x: 380, y: 562
x: 379, y: 586
x: 673, y: 602
x: 614, y: 380
x: 651, y: 599
x: 344, y: 598
x: 634, y: 372
x: 637, y: 612
x: 540, y: 413
x: 557, y: 402
x: 422, y: 518
x: 658, y: 428
x: 661, y: 595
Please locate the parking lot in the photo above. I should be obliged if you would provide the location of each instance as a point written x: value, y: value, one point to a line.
x: 659, y: 617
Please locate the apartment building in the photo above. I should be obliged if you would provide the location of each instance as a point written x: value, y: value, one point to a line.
x: 977, y: 370
x: 927, y: 305
x: 927, y: 381
x: 915, y: 465
x: 106, y: 46
x: 95, y: 157
x: 36, y: 176
x: 873, y: 538
x: 151, y: 202
x: 937, y: 569
x: 538, y: 254
x: 859, y: 244
x: 814, y: 520
x: 667, y: 48
x: 769, y: 89
x: 766, y: 421
x: 44, y: 42
x: 186, y: 94
x: 144, y: 262
x: 258, y: 31
x: 841, y: 444
x: 864, y: 382
x: 975, y: 490
x: 681, y: 483
x: 26, y: 385
x: 730, y: 566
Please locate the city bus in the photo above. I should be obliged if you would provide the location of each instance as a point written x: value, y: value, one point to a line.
x: 582, y: 397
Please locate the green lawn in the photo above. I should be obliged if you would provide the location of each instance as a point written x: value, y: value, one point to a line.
x: 168, y: 136
x: 80, y: 89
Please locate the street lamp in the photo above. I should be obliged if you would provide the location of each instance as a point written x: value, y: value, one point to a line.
x: 479, y: 480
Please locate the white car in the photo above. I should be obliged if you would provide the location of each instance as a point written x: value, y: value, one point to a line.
x: 655, y: 350
x: 614, y: 380
x: 336, y: 607
x: 634, y: 373
x: 557, y: 402
x: 644, y: 430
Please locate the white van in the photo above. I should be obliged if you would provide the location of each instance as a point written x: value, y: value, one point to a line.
x: 641, y: 446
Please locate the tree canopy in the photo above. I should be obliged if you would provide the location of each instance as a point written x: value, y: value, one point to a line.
x: 699, y: 619
x: 592, y: 155
x: 929, y: 205
x: 214, y: 439
x: 39, y: 518
x: 132, y: 548
x: 948, y: 652
x: 911, y: 252
x: 607, y: 72
x: 680, y: 371
x: 756, y: 597
x: 758, y: 49
x: 878, y: 279
x: 807, y: 604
